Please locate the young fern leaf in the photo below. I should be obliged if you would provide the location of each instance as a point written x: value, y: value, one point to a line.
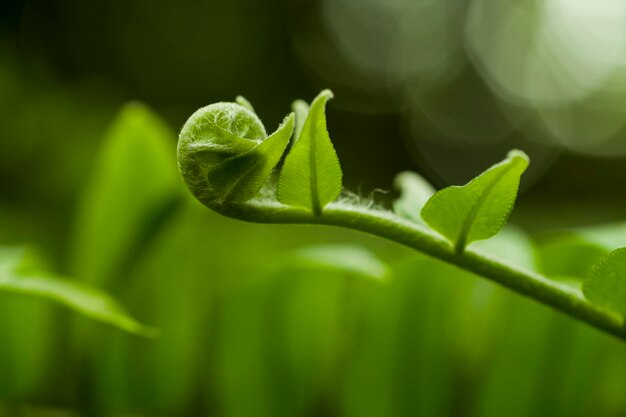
x: 224, y: 148
x: 479, y: 209
x: 85, y: 300
x: 415, y: 192
x: 351, y: 259
x: 19, y: 274
x: 605, y: 284
x: 311, y: 176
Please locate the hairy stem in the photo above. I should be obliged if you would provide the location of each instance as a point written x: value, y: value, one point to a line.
x: 389, y: 226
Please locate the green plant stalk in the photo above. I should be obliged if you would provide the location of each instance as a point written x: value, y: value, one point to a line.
x: 387, y: 225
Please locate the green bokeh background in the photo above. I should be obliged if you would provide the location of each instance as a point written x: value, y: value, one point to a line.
x: 91, y: 97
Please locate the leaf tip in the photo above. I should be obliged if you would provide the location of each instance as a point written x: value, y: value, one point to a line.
x: 290, y: 118
x: 518, y: 155
x: 299, y: 104
x: 325, y: 95
x: 148, y: 332
x: 242, y: 101
x: 327, y: 92
x: 138, y: 329
x: 402, y: 178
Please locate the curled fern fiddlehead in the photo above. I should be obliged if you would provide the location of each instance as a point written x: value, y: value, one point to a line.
x: 225, y: 154
x: 226, y: 159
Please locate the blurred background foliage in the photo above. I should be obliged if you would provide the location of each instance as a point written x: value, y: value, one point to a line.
x: 261, y: 320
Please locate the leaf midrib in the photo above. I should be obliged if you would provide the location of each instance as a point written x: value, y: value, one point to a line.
x: 467, y: 224
x: 315, y: 198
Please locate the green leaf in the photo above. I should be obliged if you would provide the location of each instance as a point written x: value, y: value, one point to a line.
x: 569, y: 256
x: 511, y: 245
x: 608, y: 236
x: 301, y: 109
x: 346, y: 258
x: 19, y: 275
x: 311, y: 175
x: 415, y: 191
x: 135, y: 184
x: 605, y: 284
x: 240, y: 177
x: 83, y: 299
x: 479, y: 209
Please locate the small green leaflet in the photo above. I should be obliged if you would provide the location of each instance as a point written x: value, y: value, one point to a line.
x: 415, y: 191
x: 346, y: 258
x: 479, y: 209
x: 19, y: 275
x: 240, y: 177
x: 569, y: 255
x: 134, y: 182
x: 511, y: 245
x: 311, y: 176
x: 605, y: 284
